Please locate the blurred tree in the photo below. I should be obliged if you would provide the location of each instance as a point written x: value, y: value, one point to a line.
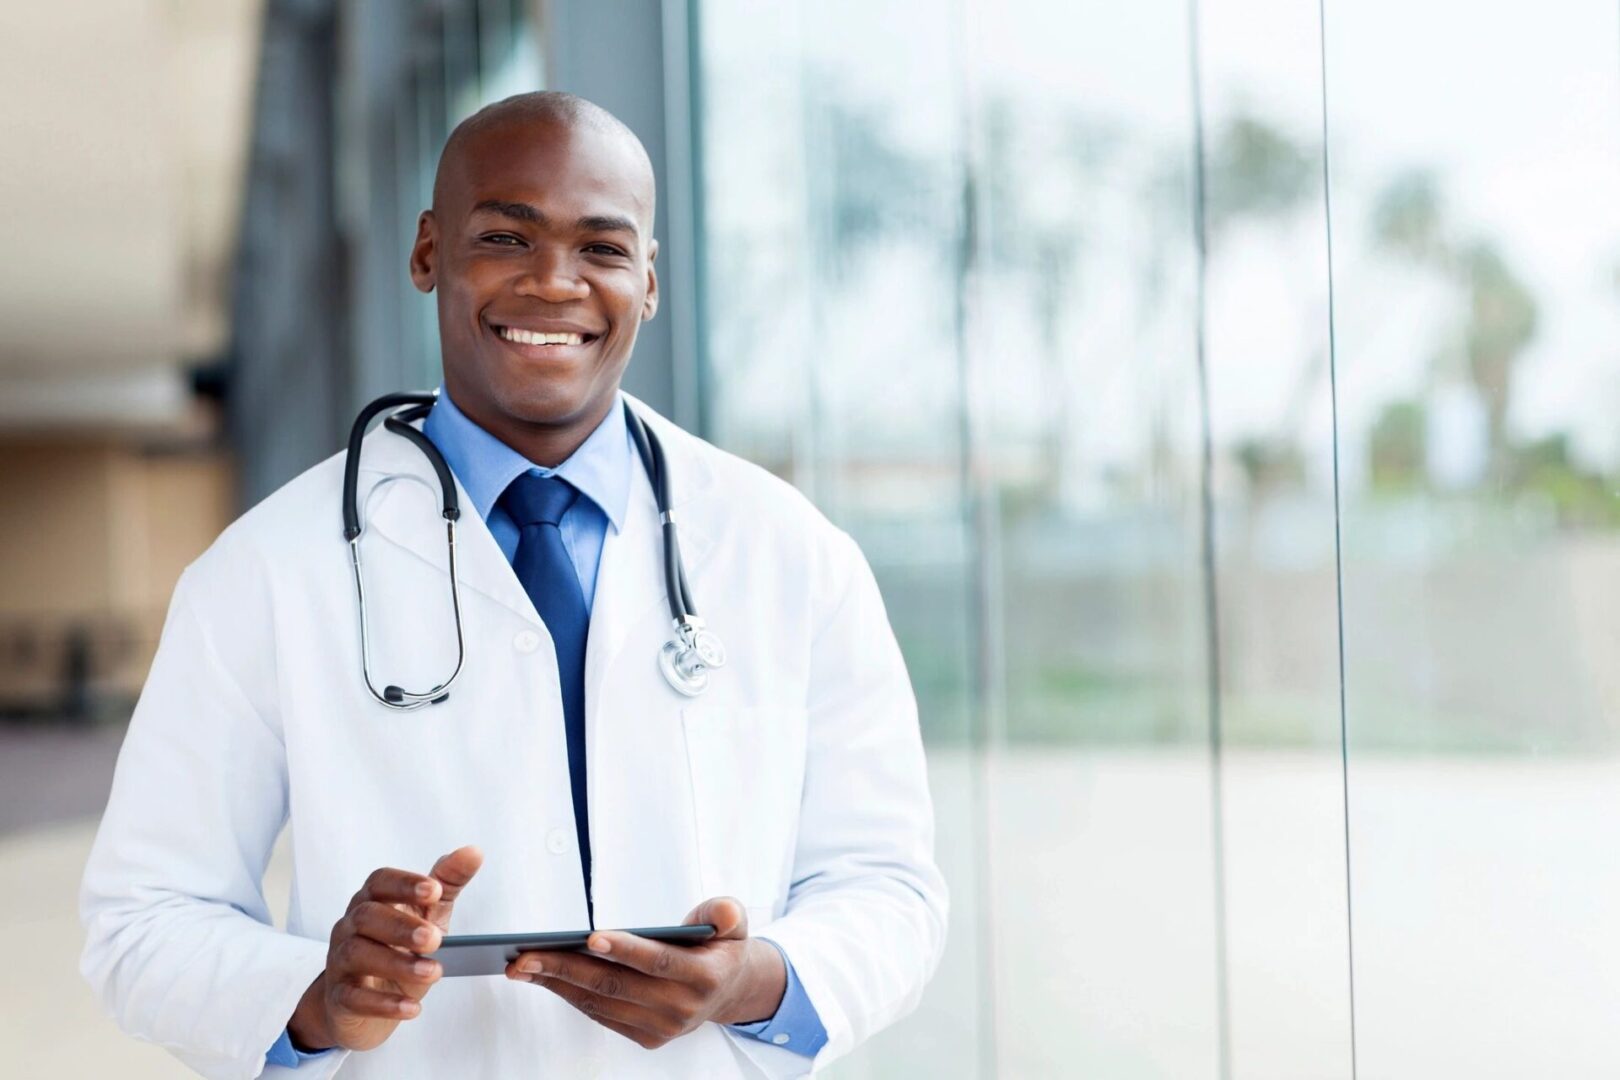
x: 1256, y: 171
x: 1255, y: 175
x: 1397, y: 446
x: 1269, y: 465
x: 1040, y: 172
x: 877, y: 189
x: 1409, y: 220
x: 1501, y: 323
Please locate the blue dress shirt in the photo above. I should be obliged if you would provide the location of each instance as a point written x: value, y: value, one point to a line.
x: 601, y: 470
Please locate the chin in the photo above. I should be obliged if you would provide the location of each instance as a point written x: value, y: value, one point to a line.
x: 543, y: 401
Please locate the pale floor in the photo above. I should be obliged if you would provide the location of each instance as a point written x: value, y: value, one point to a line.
x: 1486, y: 914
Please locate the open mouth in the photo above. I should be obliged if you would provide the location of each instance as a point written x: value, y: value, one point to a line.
x: 542, y: 338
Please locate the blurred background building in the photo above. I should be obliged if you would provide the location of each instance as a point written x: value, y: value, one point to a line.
x: 1223, y: 391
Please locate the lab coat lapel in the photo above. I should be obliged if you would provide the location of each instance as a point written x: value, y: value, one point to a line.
x: 407, y: 514
x: 630, y: 575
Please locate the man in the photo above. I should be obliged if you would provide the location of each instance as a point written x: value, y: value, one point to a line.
x: 562, y: 784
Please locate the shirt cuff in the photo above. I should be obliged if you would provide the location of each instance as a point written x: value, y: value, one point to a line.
x: 285, y: 1054
x: 796, y: 1026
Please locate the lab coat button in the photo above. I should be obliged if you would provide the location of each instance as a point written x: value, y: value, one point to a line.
x: 780, y: 1039
x: 557, y: 840
x: 526, y: 641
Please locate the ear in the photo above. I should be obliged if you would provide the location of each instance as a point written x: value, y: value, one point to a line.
x: 425, y: 253
x: 649, y: 306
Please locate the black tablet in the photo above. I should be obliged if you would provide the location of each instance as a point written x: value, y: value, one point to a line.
x: 488, y: 954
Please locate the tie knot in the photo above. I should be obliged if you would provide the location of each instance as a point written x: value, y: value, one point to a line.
x: 538, y: 500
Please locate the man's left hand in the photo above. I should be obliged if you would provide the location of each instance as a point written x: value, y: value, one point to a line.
x: 651, y: 992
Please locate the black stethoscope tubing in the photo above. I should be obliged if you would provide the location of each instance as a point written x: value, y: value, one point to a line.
x: 693, y: 651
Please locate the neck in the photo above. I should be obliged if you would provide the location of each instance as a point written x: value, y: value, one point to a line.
x: 546, y: 443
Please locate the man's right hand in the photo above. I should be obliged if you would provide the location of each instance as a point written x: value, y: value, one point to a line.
x: 373, y: 979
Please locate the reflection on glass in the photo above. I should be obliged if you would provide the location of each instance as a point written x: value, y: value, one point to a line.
x: 1271, y: 427
x: 1083, y: 343
x: 834, y: 173
x: 1475, y: 159
x: 857, y: 327
x: 1004, y: 407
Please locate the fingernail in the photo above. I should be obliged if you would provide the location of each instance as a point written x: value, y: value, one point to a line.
x: 422, y: 936
x: 424, y: 968
x: 529, y: 966
x: 425, y: 890
x: 600, y: 944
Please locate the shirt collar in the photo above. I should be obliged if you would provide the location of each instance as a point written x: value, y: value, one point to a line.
x: 600, y: 468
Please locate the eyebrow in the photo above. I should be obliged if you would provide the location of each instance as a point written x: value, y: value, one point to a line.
x: 518, y: 210
x: 525, y: 212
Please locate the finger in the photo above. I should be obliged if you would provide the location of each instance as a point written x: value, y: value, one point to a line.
x: 391, y: 886
x: 364, y: 1001
x: 394, y: 926
x: 652, y: 958
x: 644, y: 1039
x: 451, y: 874
x: 455, y: 870
x: 726, y: 914
x: 638, y: 1020
x: 359, y: 956
x: 650, y: 1038
x: 598, y: 977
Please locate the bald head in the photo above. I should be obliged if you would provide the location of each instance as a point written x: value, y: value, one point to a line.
x: 560, y: 114
x: 541, y: 228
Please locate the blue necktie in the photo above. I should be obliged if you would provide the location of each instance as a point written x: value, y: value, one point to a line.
x: 537, y: 504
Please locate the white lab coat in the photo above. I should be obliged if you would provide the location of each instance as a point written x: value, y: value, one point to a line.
x: 796, y: 783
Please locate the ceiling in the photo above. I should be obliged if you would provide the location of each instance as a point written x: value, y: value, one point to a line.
x: 123, y: 152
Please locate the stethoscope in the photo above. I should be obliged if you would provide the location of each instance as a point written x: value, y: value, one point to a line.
x: 686, y: 659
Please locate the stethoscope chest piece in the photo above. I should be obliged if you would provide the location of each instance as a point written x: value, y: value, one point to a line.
x: 688, y: 657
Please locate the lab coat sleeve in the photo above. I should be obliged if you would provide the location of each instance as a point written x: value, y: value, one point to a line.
x: 865, y: 919
x: 179, y: 944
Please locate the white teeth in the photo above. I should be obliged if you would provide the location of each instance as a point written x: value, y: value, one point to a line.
x: 529, y: 337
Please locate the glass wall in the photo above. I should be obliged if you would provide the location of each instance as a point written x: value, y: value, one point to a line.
x: 953, y: 295
x: 1222, y: 392
x: 1269, y: 357
x: 1476, y: 234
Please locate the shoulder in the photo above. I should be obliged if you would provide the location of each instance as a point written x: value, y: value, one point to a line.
x: 739, y: 492
x: 763, y: 521
x: 299, y: 521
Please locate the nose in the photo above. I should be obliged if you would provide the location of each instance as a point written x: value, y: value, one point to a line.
x: 551, y: 276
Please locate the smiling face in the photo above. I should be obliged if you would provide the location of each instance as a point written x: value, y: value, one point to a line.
x: 540, y: 247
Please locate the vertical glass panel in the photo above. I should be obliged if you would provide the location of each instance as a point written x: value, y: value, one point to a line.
x: 857, y: 326
x: 757, y: 247
x: 427, y: 96
x: 1270, y: 383
x: 459, y: 24
x: 833, y: 247
x: 1476, y: 233
x: 1084, y: 360
x: 508, y: 51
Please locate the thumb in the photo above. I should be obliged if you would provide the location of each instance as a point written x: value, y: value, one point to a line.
x: 452, y: 872
x: 726, y: 914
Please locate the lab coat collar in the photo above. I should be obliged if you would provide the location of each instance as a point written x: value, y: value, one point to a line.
x: 630, y: 577
x: 600, y: 468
